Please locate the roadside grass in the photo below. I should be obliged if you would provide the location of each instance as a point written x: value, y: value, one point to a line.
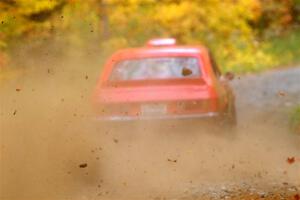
x: 285, y: 49
x: 275, y: 52
x: 295, y: 120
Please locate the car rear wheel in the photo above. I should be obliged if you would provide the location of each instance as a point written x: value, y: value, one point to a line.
x: 229, y: 120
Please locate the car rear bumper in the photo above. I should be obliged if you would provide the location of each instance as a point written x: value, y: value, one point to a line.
x: 204, y: 116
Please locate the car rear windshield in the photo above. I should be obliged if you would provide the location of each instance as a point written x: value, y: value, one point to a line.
x: 156, y: 68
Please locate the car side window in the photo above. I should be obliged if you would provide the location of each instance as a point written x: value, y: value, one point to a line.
x: 214, y: 65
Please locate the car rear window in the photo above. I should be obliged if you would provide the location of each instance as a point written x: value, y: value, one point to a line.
x: 156, y: 68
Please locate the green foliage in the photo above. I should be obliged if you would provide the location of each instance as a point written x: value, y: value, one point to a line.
x: 285, y: 49
x: 273, y: 52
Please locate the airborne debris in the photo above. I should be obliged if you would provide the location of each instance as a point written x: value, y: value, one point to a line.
x: 172, y: 160
x: 116, y: 140
x: 281, y: 93
x: 83, y: 165
x: 290, y: 160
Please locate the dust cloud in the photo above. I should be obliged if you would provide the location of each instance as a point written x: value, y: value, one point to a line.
x: 53, y: 148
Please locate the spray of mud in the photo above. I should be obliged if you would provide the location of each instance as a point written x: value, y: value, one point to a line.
x: 52, y: 148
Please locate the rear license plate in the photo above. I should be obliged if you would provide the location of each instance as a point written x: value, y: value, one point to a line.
x: 153, y: 109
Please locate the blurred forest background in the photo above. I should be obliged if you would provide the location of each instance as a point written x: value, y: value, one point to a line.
x: 245, y: 35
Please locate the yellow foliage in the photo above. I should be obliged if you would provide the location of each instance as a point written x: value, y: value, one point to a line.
x: 28, y: 7
x: 224, y: 26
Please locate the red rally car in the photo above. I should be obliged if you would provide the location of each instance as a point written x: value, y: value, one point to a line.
x: 163, y: 80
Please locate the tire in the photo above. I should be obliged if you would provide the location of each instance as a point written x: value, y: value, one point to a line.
x: 232, y: 120
x: 229, y: 119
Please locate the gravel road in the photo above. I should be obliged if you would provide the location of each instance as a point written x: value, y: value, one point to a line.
x: 269, y: 93
x: 250, y: 164
x: 263, y: 102
x: 46, y: 136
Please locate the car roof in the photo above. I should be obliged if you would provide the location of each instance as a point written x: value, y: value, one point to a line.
x: 149, y: 51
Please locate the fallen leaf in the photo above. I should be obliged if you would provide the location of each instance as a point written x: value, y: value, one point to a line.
x: 297, y: 197
x: 18, y: 89
x: 291, y: 160
x: 116, y: 141
x: 15, y: 112
x: 83, y: 165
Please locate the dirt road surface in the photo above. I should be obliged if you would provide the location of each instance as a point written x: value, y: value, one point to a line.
x: 51, y: 149
x: 270, y: 92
